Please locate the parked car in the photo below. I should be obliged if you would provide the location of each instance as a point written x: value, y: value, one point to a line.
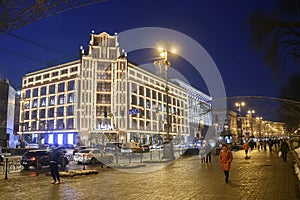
x: 113, y: 147
x: 40, y: 158
x: 93, y: 155
x: 131, y: 147
x: 145, y: 148
x: 156, y: 146
x: 77, y: 149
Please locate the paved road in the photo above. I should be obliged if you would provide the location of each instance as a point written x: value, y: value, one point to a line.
x: 263, y: 176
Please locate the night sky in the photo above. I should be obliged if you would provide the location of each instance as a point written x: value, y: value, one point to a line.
x: 218, y: 26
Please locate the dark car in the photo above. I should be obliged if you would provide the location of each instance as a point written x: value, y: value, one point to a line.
x: 145, y: 148
x: 40, y: 158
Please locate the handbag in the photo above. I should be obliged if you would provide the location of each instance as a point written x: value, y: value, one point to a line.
x: 279, y: 154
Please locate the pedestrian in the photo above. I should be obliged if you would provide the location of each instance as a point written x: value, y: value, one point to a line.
x: 208, y: 153
x: 246, y: 148
x: 284, y: 148
x: 54, y: 159
x: 225, y: 159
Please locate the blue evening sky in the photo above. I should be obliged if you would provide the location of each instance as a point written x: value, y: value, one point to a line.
x: 219, y: 26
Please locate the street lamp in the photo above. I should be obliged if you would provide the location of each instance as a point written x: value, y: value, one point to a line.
x: 240, y: 104
x: 164, y: 64
x: 250, y: 113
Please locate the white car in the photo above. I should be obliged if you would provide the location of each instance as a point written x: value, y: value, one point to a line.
x: 93, y: 155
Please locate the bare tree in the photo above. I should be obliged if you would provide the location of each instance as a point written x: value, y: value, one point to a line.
x: 277, y: 34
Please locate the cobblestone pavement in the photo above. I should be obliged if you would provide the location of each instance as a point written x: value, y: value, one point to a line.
x: 262, y: 176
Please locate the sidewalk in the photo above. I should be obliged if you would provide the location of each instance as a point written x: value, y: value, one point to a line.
x: 262, y: 176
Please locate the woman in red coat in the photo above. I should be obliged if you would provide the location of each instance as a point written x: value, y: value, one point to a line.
x: 225, y: 159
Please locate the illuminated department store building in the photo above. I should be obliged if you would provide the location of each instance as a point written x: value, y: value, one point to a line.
x: 103, y: 97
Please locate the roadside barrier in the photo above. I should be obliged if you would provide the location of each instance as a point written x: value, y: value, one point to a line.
x: 11, y: 164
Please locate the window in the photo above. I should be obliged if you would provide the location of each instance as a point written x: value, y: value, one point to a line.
x: 30, y: 80
x: 43, y: 113
x: 43, y: 90
x: 35, y: 103
x: 70, y: 123
x: 35, y: 92
x: 61, y: 87
x: 46, y: 76
x: 54, y: 73
x: 60, y: 124
x: 43, y: 102
x: 50, y: 139
x: 61, y: 99
x: 74, y: 69
x: 60, y: 111
x: 71, y: 98
x: 34, y: 114
x: 133, y: 100
x: 51, y: 112
x: 70, y: 111
x: 70, y: 138
x: 60, y: 138
x: 52, y: 89
x: 52, y: 101
x: 64, y: 71
x: 71, y: 85
x: 27, y: 94
x: 50, y: 124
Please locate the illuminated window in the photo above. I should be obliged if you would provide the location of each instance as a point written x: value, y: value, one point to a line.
x: 70, y: 138
x: 60, y: 138
x: 50, y: 139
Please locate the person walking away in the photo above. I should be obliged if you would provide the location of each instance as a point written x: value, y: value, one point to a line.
x: 208, y: 153
x: 225, y: 159
x: 284, y: 148
x: 54, y: 159
x: 246, y: 148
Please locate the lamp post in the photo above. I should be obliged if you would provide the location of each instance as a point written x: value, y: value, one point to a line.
x: 240, y: 126
x: 164, y: 64
x: 250, y: 113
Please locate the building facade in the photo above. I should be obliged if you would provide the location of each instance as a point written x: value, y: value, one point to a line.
x: 102, y: 97
x: 8, y: 136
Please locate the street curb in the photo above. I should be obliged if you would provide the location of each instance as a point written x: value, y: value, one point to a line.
x: 127, y: 166
x: 158, y: 161
x: 72, y: 173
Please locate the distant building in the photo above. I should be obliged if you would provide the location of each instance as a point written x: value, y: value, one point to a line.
x: 8, y: 137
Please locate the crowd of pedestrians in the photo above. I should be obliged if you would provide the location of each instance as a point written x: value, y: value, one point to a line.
x: 225, y: 155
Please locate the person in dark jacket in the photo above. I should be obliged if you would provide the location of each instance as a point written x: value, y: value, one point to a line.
x: 284, y: 148
x: 54, y: 159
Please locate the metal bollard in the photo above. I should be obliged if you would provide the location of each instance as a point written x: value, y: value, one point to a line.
x: 130, y: 157
x: 141, y: 157
x: 6, y: 161
x: 150, y: 155
x: 117, y: 158
x: 83, y: 163
x: 159, y: 154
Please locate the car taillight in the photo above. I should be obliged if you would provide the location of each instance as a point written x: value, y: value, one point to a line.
x: 32, y: 158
